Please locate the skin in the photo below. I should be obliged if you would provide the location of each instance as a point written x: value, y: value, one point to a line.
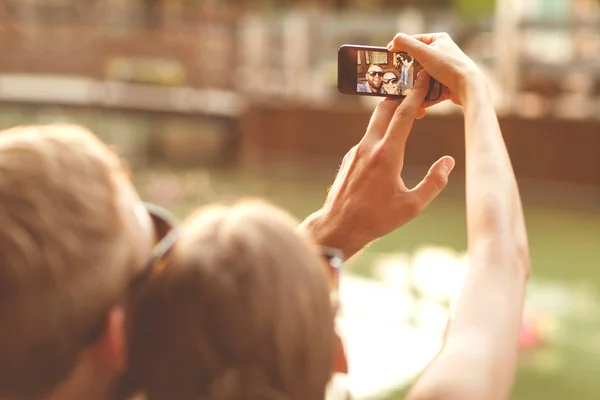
x: 390, y: 88
x: 479, y: 357
x: 375, y: 82
x: 369, y: 199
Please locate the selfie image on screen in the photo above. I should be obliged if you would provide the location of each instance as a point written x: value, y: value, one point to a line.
x: 385, y: 73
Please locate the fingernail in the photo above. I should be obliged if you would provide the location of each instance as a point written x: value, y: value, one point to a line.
x: 449, y: 164
x: 390, y: 45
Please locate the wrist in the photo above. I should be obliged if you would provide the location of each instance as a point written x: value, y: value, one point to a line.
x: 474, y: 89
x: 324, y: 230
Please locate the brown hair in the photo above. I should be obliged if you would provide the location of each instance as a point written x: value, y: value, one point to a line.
x: 240, y: 310
x: 62, y: 257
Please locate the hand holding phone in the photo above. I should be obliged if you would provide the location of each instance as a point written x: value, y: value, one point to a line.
x: 375, y: 71
x: 444, y: 61
x: 368, y: 198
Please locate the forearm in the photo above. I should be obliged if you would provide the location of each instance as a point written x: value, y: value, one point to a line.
x: 495, y: 223
x: 493, y: 202
x: 498, y: 256
x: 498, y: 248
x: 479, y: 357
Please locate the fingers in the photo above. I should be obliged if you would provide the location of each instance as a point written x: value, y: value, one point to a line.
x: 405, y: 114
x: 434, y: 182
x: 426, y: 38
x: 381, y: 118
x: 384, y: 112
x: 415, y: 47
x: 429, y: 38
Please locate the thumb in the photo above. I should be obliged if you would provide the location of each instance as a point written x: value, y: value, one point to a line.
x: 435, y: 181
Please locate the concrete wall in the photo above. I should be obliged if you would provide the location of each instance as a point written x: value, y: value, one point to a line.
x: 263, y: 137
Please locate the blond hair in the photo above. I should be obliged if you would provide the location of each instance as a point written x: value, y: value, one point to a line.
x: 239, y: 310
x: 62, y: 262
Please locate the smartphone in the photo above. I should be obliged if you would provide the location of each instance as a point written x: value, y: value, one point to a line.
x: 375, y: 71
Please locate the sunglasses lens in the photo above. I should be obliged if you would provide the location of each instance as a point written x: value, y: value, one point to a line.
x: 335, y: 262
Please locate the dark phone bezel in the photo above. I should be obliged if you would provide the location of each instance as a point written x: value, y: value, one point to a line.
x: 347, y: 74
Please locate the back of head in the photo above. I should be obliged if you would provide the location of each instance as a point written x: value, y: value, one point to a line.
x: 239, y: 310
x: 61, y: 257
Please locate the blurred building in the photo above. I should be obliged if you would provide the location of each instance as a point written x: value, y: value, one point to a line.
x: 541, y: 56
x: 255, y: 81
x: 548, y: 56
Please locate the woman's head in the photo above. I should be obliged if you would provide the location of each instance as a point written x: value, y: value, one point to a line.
x: 240, y: 309
x: 390, y: 81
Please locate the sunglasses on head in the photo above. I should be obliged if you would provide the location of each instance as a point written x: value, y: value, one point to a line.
x: 165, y: 235
x: 373, y: 73
x: 165, y: 225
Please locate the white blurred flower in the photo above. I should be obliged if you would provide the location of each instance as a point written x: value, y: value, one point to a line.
x: 432, y: 279
x: 436, y: 273
x: 403, y: 314
x: 394, y: 270
x: 431, y: 316
x: 372, y: 299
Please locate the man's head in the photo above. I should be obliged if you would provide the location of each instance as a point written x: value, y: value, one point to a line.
x: 72, y: 232
x: 374, y: 75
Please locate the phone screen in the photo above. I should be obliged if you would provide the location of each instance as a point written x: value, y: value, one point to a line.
x: 377, y: 72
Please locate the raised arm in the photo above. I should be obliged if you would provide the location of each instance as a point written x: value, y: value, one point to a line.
x: 479, y: 356
x: 368, y: 198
